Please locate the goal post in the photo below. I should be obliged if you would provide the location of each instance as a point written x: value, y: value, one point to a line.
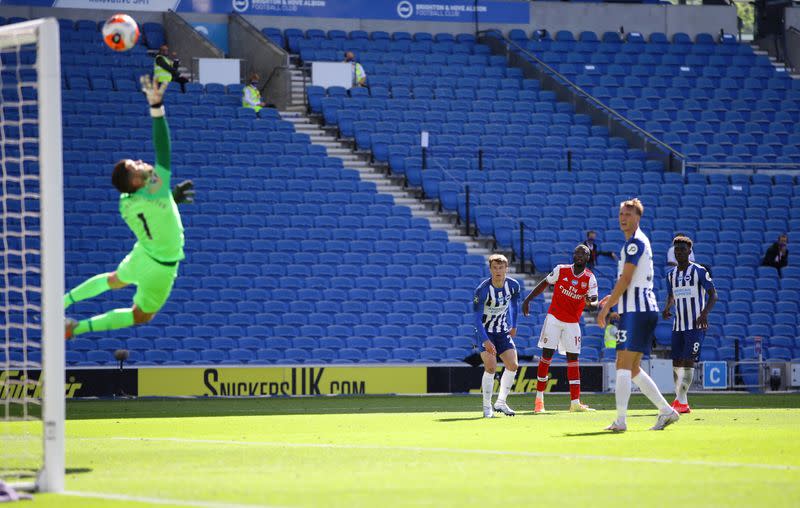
x: 32, y: 358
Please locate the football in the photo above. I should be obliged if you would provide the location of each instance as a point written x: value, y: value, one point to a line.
x: 120, y: 32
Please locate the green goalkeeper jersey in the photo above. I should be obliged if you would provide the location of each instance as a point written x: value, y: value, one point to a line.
x: 151, y: 212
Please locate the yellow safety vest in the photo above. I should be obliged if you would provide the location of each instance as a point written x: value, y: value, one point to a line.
x: 359, y: 73
x: 610, y: 337
x: 251, y: 98
x: 161, y: 74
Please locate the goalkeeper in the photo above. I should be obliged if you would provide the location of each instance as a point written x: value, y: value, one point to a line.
x: 149, y: 209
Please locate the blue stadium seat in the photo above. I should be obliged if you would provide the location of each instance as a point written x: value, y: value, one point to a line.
x: 276, y: 193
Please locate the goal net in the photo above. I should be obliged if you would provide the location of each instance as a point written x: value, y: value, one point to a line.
x: 31, y: 258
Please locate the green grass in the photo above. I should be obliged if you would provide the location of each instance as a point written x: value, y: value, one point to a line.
x: 733, y: 450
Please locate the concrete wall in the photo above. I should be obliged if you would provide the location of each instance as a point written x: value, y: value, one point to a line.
x: 645, y: 19
x: 792, y: 20
x: 262, y: 56
x: 552, y: 16
x: 792, y: 17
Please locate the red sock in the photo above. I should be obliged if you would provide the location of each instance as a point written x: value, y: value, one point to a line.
x: 541, y: 372
x: 574, y: 376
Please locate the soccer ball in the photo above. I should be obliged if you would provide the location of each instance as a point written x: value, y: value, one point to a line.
x: 120, y: 32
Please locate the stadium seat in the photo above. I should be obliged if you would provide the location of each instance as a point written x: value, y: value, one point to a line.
x: 284, y: 222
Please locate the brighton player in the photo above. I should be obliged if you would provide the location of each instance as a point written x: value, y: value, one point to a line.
x: 638, y: 315
x: 148, y: 207
x: 496, y: 307
x: 574, y: 287
x: 687, y: 286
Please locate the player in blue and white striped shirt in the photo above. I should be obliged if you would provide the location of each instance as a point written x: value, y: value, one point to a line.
x: 638, y: 316
x: 687, y: 287
x: 496, y: 307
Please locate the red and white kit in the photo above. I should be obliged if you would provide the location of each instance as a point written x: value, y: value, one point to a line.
x: 561, y: 327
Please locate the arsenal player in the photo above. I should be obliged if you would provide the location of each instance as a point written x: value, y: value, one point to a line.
x: 574, y: 287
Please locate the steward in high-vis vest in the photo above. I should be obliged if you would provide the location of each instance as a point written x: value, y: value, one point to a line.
x: 165, y: 68
x: 359, y: 76
x: 251, y: 95
x: 610, y: 335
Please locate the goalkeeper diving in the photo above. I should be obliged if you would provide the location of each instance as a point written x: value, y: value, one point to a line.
x: 149, y: 208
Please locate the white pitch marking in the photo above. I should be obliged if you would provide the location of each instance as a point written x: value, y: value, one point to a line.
x: 156, y: 500
x: 565, y: 456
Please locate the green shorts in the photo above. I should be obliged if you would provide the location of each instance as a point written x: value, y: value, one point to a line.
x: 153, y: 280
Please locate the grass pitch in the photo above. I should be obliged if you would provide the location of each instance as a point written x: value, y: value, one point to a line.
x: 733, y: 450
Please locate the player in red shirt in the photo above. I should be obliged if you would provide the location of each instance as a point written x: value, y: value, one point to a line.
x: 574, y: 287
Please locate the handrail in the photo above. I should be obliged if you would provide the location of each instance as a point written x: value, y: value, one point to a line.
x: 272, y: 75
x: 247, y: 43
x: 783, y: 167
x: 583, y: 92
x: 786, y: 51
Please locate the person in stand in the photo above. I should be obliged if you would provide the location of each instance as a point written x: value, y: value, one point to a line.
x: 777, y: 255
x: 594, y: 250
x: 359, y: 76
x: 165, y: 68
x: 251, y: 95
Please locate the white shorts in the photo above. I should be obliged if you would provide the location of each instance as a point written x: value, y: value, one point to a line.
x: 566, y: 336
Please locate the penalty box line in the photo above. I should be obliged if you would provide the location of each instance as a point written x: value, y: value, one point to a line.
x: 160, y: 501
x: 503, y: 453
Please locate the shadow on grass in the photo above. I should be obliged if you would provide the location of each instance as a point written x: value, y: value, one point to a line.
x: 267, y: 406
x: 595, y: 433
x: 78, y: 470
x: 362, y: 404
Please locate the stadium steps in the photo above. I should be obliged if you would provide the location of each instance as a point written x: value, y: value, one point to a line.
x: 385, y: 184
x: 298, y: 83
x: 775, y: 62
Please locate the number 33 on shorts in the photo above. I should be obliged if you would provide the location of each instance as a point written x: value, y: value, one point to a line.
x: 622, y: 335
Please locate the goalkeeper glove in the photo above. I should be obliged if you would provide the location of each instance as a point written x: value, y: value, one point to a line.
x: 153, y: 90
x: 184, y: 192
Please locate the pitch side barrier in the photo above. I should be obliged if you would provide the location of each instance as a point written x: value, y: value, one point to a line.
x: 326, y: 380
x: 294, y: 380
x: 584, y: 102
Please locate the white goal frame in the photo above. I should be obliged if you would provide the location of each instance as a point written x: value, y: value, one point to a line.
x: 45, y: 34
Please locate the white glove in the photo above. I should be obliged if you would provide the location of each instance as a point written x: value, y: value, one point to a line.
x: 153, y: 90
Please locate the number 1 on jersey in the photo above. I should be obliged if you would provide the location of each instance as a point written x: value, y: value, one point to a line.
x: 146, y: 228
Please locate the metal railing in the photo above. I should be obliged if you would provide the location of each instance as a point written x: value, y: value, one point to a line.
x: 792, y: 43
x: 263, y: 56
x: 677, y: 161
x: 569, y: 91
x: 745, y: 167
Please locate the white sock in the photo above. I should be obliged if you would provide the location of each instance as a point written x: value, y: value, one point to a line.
x: 685, y: 382
x: 506, y: 380
x: 487, y: 387
x: 677, y: 375
x: 575, y: 402
x: 622, y: 393
x: 649, y: 388
x: 539, y: 395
